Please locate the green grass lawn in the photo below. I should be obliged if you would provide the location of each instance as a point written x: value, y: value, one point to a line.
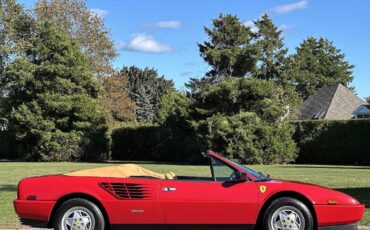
x: 352, y: 180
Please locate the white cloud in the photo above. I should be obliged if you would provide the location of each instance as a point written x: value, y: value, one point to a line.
x: 145, y: 43
x: 251, y: 25
x: 283, y: 9
x: 164, y: 25
x: 99, y: 12
x: 285, y: 27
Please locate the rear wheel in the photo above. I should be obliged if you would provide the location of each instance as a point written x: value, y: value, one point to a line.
x: 79, y: 214
x: 287, y: 214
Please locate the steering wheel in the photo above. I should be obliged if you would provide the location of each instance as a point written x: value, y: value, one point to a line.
x: 233, y: 176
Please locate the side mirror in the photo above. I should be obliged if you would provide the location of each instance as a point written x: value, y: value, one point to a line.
x: 241, y: 176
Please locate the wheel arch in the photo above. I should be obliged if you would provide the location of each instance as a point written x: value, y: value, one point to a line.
x: 81, y: 196
x: 290, y: 194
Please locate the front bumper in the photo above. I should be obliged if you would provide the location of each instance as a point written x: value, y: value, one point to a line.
x: 340, y: 227
x: 339, y: 215
x: 34, y: 212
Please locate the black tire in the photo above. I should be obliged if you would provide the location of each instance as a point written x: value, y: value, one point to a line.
x: 86, y: 206
x: 287, y: 203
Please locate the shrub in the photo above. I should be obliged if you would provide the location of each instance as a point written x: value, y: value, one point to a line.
x: 248, y: 139
x: 333, y: 142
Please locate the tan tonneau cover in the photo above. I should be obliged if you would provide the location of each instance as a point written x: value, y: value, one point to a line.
x: 120, y: 171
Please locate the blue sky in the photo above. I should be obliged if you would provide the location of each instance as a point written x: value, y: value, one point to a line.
x: 164, y: 34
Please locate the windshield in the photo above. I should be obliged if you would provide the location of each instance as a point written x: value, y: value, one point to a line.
x: 258, y: 176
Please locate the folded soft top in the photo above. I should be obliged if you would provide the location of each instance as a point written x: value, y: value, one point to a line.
x: 121, y: 171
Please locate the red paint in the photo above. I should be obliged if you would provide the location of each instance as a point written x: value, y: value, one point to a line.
x: 192, y: 202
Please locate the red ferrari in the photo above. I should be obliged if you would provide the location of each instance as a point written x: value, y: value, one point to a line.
x: 233, y: 197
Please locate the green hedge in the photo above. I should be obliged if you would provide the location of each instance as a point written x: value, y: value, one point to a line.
x: 154, y: 143
x: 333, y: 142
x: 7, y: 147
x: 319, y: 142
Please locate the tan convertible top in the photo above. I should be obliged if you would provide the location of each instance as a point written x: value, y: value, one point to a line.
x: 121, y: 171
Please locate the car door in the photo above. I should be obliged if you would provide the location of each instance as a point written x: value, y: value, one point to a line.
x: 134, y: 201
x: 209, y: 202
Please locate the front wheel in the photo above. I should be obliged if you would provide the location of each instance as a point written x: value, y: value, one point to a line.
x: 287, y: 214
x: 79, y: 214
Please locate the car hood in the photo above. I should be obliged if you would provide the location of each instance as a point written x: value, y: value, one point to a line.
x: 316, y: 193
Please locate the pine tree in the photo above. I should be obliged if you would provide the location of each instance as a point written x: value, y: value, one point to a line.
x: 229, y: 50
x: 272, y: 51
x: 144, y: 110
x: 146, y: 89
x: 318, y: 62
x: 51, y: 103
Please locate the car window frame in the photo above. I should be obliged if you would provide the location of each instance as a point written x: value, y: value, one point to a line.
x: 223, y: 162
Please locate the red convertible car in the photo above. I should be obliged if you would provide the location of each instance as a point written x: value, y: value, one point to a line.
x: 232, y: 197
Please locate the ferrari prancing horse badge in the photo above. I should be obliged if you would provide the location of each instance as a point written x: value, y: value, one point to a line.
x: 263, y: 188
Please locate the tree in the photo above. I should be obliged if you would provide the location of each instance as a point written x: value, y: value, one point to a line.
x: 117, y: 99
x: 367, y: 100
x: 16, y: 27
x: 318, y: 62
x: 268, y: 101
x: 178, y: 139
x: 51, y: 102
x: 247, y: 138
x: 83, y: 27
x: 244, y: 118
x: 146, y: 89
x: 272, y: 51
x: 229, y: 51
x: 195, y: 86
x: 174, y: 107
x: 15, y: 31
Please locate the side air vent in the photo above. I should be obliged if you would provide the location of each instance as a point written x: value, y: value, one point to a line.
x: 127, y: 191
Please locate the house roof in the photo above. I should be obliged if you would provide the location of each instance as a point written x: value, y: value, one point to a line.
x: 331, y: 102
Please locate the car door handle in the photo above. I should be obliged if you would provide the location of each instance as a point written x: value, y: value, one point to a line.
x: 166, y: 189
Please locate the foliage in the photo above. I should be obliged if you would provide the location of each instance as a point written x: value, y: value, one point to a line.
x: 229, y: 51
x: 195, y: 86
x: 16, y: 27
x: 246, y: 138
x: 173, y: 139
x: 15, y: 31
x: 116, y: 98
x: 243, y: 118
x: 367, y: 100
x: 236, y: 50
x: 51, y: 105
x: 174, y: 107
x: 84, y: 27
x: 333, y: 142
x: 240, y: 118
x: 154, y: 143
x: 268, y: 101
x: 272, y: 51
x: 146, y: 89
x: 317, y: 62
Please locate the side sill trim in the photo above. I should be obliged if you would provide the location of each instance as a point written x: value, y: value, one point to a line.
x: 182, y: 227
x: 340, y: 227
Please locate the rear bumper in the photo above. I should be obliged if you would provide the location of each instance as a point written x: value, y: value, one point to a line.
x: 343, y: 216
x: 340, y: 227
x: 34, y: 212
